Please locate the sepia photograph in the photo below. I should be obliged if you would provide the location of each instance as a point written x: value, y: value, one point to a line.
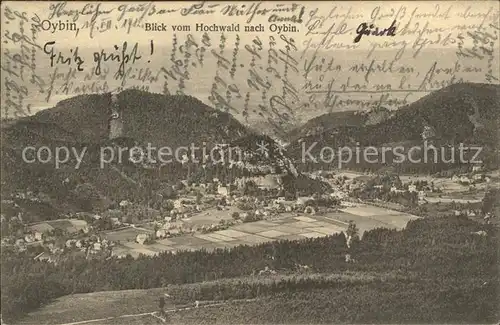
x: 250, y: 162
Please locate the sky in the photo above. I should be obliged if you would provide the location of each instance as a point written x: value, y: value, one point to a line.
x: 359, y: 11
x: 429, y: 32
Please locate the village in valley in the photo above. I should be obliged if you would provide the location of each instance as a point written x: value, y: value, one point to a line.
x: 248, y: 211
x: 250, y: 202
x: 296, y: 225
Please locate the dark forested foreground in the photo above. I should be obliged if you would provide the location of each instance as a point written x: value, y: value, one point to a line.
x: 421, y: 301
x: 442, y: 272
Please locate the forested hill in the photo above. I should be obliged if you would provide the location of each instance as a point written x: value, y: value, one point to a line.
x: 84, y: 122
x: 329, y: 121
x: 173, y: 120
x: 461, y: 112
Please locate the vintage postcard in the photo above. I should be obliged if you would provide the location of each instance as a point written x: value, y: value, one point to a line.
x: 266, y: 162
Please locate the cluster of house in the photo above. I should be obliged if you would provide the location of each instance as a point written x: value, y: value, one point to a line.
x: 269, y: 208
x: 216, y: 192
x: 164, y: 229
x: 92, y: 245
x: 475, y: 213
x: 467, y: 212
x: 32, y: 237
x: 184, y: 208
x: 143, y: 238
x: 262, y: 209
x: 87, y: 247
x: 29, y: 196
x: 477, y: 175
x: 271, y: 181
x: 341, y: 185
x: 115, y: 217
x: 224, y: 224
x: 412, y: 188
x: 471, y: 179
x: 43, y: 234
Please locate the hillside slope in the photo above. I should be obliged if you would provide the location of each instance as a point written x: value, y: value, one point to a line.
x: 327, y: 122
x: 457, y: 113
x: 82, y: 122
x: 162, y: 120
x: 467, y: 112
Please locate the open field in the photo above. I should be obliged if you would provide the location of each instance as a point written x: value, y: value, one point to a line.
x: 210, y: 216
x: 137, y: 306
x: 124, y: 234
x: 369, y: 217
x: 95, y: 306
x: 452, y: 199
x: 287, y: 228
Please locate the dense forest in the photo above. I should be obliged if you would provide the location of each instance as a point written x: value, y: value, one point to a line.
x: 442, y: 253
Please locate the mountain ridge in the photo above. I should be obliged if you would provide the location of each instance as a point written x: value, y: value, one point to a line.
x: 460, y: 113
x: 456, y: 103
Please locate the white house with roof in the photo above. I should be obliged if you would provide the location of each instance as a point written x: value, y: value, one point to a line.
x: 394, y: 189
x: 29, y: 238
x: 178, y: 204
x: 141, y: 238
x: 70, y: 243
x: 269, y: 181
x: 161, y: 233
x: 97, y: 246
x: 478, y: 177
x: 223, y: 190
x: 38, y: 236
x: 465, y: 179
x: 302, y: 200
x: 477, y: 168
